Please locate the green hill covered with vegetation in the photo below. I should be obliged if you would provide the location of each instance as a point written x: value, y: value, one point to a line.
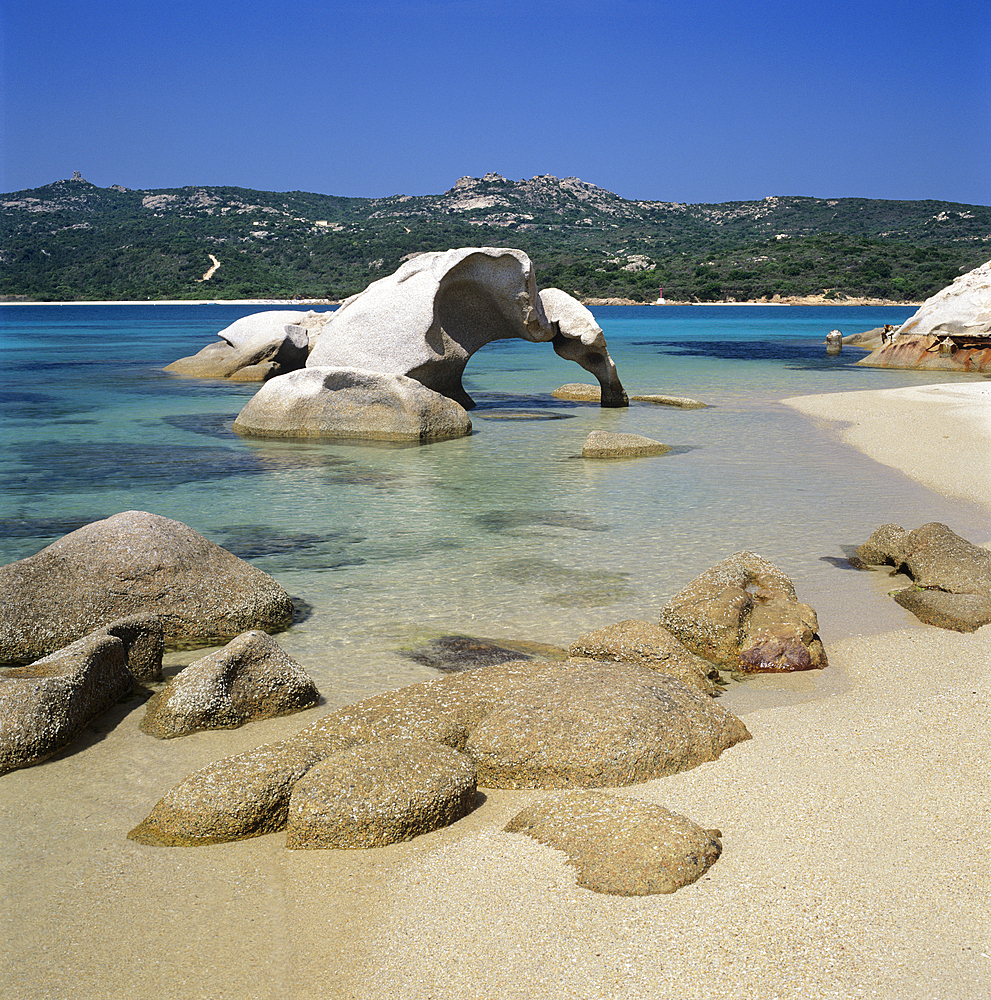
x: 71, y: 240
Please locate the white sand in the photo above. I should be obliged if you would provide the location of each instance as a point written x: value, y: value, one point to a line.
x: 855, y: 856
x: 940, y: 435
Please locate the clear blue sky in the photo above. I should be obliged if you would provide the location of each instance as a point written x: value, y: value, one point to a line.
x: 691, y: 102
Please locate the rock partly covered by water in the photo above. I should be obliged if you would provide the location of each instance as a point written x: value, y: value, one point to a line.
x: 45, y: 705
x: 251, y: 678
x: 256, y: 347
x: 952, y: 576
x: 582, y: 392
x: 133, y: 563
x: 743, y: 614
x: 347, y: 403
x: 608, y: 444
x: 961, y: 311
x: 578, y: 723
x: 619, y: 845
x: 428, y: 318
x: 680, y: 402
x: 380, y: 793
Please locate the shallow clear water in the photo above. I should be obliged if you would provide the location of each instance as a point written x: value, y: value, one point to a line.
x: 506, y: 534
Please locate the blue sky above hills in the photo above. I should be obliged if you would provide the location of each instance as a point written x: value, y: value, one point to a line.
x: 706, y: 102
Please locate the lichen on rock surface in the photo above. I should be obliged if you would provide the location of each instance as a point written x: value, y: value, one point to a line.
x: 743, y: 614
x: 619, y: 845
x: 551, y: 724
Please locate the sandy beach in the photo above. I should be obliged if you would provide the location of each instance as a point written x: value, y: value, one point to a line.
x: 854, y: 861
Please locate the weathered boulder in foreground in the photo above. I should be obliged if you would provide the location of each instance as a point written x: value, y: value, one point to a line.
x: 348, y: 403
x: 649, y: 646
x: 606, y: 444
x: 380, y: 793
x: 246, y: 795
x: 251, y: 678
x: 743, y: 614
x: 45, y: 705
x: 428, y: 318
x: 619, y: 845
x: 961, y: 311
x: 133, y: 563
x: 578, y: 723
x: 256, y: 347
x: 952, y: 576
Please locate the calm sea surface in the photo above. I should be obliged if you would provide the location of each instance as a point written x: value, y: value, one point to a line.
x: 506, y: 534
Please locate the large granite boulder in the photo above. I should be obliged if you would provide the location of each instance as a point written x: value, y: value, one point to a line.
x: 950, y: 331
x: 428, y: 318
x: 952, y: 577
x: 620, y: 846
x: 129, y: 564
x: 45, y: 705
x: 348, y: 403
x: 647, y: 645
x: 242, y: 796
x: 578, y: 723
x: 256, y: 347
x: 380, y: 793
x: 251, y: 678
x: 743, y: 614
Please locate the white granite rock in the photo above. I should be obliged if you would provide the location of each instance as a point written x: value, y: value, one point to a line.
x: 964, y: 306
x: 348, y: 403
x: 428, y: 318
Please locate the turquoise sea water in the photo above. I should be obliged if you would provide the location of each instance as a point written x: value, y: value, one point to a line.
x: 506, y: 534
